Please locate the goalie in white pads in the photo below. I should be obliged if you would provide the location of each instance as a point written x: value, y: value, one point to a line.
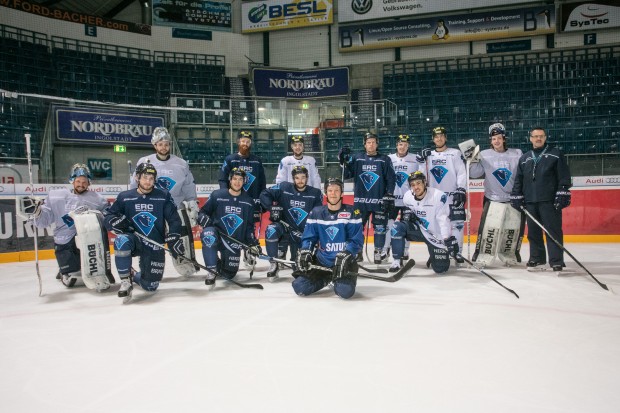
x: 85, y: 257
x: 174, y: 176
x: 500, y: 232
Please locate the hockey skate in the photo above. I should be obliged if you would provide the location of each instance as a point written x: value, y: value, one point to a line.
x: 210, y: 281
x: 380, y: 256
x: 126, y: 290
x: 248, y: 260
x: 396, y: 265
x: 533, y: 266
x: 272, y: 272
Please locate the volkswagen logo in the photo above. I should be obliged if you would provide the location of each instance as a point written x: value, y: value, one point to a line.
x: 361, y: 6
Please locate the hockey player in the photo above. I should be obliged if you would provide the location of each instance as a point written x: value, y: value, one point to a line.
x: 498, y: 166
x: 146, y: 210
x: 333, y: 236
x: 428, y: 208
x: 445, y: 168
x: 404, y: 164
x: 175, y: 177
x: 225, y: 218
x: 289, y: 205
x: 373, y: 189
x: 542, y: 187
x: 298, y: 158
x: 57, y: 209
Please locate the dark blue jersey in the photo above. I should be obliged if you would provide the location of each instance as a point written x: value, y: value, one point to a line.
x: 540, y: 174
x: 331, y: 232
x: 148, y: 213
x: 296, y: 204
x: 231, y: 215
x: 373, y: 177
x: 255, y: 174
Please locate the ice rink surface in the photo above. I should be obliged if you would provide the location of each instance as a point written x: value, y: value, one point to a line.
x: 451, y: 343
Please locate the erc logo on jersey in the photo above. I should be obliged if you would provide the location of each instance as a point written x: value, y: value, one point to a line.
x: 369, y: 179
x: 271, y: 229
x: 298, y: 215
x: 68, y: 220
x: 209, y: 239
x: 231, y: 222
x: 145, y: 221
x: 439, y: 172
x: 332, y: 232
x: 401, y: 178
x: 166, y: 183
x: 248, y: 181
x: 502, y: 175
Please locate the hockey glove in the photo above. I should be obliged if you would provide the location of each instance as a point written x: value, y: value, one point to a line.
x: 343, y: 155
x: 388, y: 203
x: 192, y: 212
x: 458, y: 198
x: 423, y: 155
x: 255, y: 251
x: 175, y: 245
x: 257, y: 214
x: 407, y: 215
x: 120, y: 225
x: 203, y: 220
x: 304, y: 259
x: 342, y: 265
x: 452, y: 245
x: 562, y: 199
x: 276, y: 213
x: 517, y: 202
x: 32, y: 206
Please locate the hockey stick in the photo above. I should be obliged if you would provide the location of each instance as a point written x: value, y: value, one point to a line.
x: 603, y: 286
x: 366, y: 239
x: 391, y: 279
x: 130, y: 173
x: 34, y: 226
x: 162, y: 246
x: 480, y: 270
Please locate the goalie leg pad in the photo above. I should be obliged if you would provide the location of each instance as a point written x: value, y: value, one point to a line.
x: 510, y: 236
x: 92, y: 241
x: 489, y: 235
x: 185, y: 267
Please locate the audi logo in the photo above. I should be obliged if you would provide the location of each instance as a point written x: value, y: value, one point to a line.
x: 614, y: 180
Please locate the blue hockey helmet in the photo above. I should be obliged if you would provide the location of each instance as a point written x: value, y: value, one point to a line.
x: 79, y: 169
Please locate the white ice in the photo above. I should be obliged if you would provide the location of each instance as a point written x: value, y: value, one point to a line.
x: 450, y: 343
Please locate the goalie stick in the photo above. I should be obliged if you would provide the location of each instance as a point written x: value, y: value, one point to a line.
x: 34, y: 227
x: 603, y: 286
x: 162, y: 246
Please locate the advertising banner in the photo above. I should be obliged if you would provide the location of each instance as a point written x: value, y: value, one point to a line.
x: 95, y: 126
x: 437, y: 30
x: 359, y: 10
x: 301, y: 84
x: 590, y: 15
x: 194, y: 14
x: 261, y: 16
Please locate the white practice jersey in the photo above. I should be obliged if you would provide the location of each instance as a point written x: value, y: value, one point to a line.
x: 402, y: 167
x: 498, y: 169
x: 174, y: 176
x: 59, y: 203
x: 433, y: 210
x: 289, y: 162
x: 446, y: 170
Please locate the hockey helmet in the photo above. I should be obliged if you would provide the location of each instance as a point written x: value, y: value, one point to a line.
x: 245, y: 134
x: 497, y: 129
x: 146, y: 168
x: 416, y: 176
x: 79, y: 169
x: 370, y: 136
x: 334, y: 181
x: 439, y: 129
x: 299, y: 169
x: 237, y: 172
x: 402, y: 138
x: 297, y: 139
x: 160, y: 134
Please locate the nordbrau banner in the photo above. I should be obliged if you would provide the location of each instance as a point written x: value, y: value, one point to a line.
x: 301, y: 84
x: 438, y: 30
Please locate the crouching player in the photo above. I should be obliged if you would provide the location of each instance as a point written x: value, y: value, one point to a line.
x: 145, y: 210
x: 332, y: 238
x: 227, y: 217
x: 425, y: 217
x: 63, y: 207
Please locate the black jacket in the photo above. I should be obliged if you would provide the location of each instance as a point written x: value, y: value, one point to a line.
x: 540, y: 174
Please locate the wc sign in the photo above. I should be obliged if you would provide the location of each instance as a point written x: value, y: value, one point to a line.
x: 100, y: 169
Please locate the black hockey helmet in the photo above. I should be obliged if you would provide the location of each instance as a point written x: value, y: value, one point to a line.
x: 297, y: 139
x: 370, y: 136
x: 238, y: 172
x: 402, y: 138
x: 334, y: 181
x: 79, y: 169
x: 299, y: 169
x: 416, y: 176
x: 146, y: 168
x: 245, y: 134
x: 439, y: 129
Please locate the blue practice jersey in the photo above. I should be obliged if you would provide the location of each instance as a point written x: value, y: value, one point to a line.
x: 296, y: 204
x: 331, y: 232
x: 373, y: 178
x: 255, y: 174
x: 231, y: 215
x: 148, y: 213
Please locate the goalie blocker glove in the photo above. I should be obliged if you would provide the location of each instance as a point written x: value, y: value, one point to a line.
x: 562, y: 199
x: 342, y: 265
x: 175, y: 244
x: 458, y: 198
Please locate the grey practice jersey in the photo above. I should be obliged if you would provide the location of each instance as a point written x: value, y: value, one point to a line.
x: 174, y: 176
x: 498, y: 169
x: 402, y: 167
x: 446, y: 170
x: 433, y: 211
x: 59, y: 203
x: 289, y: 162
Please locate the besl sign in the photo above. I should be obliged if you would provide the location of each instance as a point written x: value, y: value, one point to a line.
x: 261, y: 16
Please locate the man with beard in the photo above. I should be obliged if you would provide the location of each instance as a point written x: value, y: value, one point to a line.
x: 298, y: 158
x: 289, y: 205
x: 55, y: 210
x: 146, y: 210
x: 175, y: 177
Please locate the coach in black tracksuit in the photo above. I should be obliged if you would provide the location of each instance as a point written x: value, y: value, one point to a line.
x: 542, y: 185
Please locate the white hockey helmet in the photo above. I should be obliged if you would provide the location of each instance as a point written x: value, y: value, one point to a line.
x: 160, y: 134
x: 497, y: 129
x: 79, y: 169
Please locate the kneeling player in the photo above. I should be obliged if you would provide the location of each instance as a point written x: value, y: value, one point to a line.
x: 227, y: 217
x: 335, y: 233
x: 60, y: 208
x: 145, y: 210
x: 425, y: 217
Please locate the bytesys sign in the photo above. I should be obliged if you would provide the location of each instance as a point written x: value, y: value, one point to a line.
x: 270, y: 15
